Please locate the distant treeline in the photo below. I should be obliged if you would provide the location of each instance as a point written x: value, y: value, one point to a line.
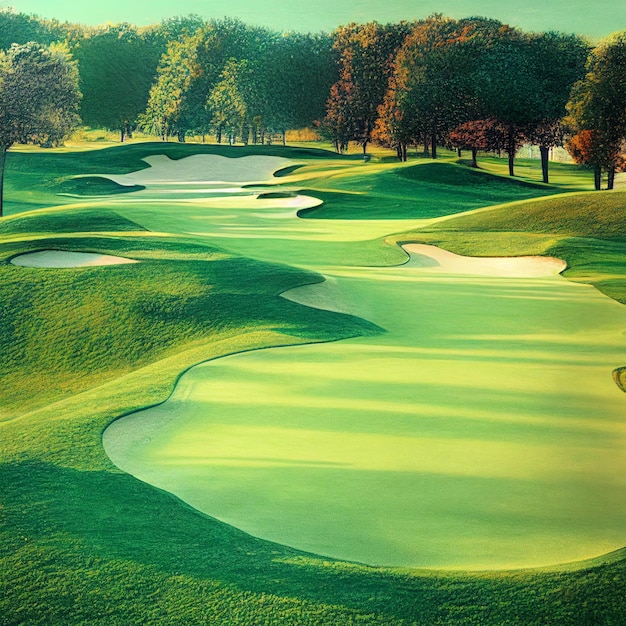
x: 473, y: 84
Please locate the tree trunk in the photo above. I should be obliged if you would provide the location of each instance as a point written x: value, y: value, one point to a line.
x: 284, y: 138
x: 3, y: 155
x: 611, y: 178
x: 404, y: 156
x: 474, y: 157
x: 426, y: 146
x: 510, y: 150
x: 219, y: 134
x: 433, y: 146
x: 122, y: 134
x: 364, y: 148
x: 459, y: 152
x: 181, y: 136
x: 545, y: 153
x: 597, y: 177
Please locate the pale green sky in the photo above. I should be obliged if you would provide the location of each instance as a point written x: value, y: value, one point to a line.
x: 595, y: 18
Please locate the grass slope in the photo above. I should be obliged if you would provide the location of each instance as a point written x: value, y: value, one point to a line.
x: 425, y: 190
x: 82, y: 543
x: 587, y: 230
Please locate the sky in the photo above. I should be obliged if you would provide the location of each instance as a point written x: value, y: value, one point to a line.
x: 594, y: 18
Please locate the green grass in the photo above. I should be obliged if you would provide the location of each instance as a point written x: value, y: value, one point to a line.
x: 94, y: 186
x: 587, y: 230
x: 426, y: 190
x: 35, y: 179
x: 83, y: 543
x: 295, y: 444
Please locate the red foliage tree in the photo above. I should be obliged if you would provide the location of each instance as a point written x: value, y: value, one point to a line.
x: 592, y: 147
x: 489, y: 135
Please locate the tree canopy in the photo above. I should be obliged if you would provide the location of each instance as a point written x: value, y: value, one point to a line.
x: 39, y: 97
x: 597, y: 110
x: 473, y: 83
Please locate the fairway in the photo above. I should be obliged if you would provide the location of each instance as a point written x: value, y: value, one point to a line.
x: 481, y: 430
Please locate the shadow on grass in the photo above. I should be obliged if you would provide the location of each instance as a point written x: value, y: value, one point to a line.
x: 115, y: 517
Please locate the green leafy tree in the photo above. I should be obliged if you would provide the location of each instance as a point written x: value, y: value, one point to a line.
x: 597, y: 110
x: 227, y: 100
x: 117, y: 68
x: 21, y: 28
x: 558, y: 62
x: 177, y: 28
x: 169, y: 109
x: 292, y: 76
x: 39, y: 97
x: 509, y: 89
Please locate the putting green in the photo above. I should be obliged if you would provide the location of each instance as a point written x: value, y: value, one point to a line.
x: 482, y: 430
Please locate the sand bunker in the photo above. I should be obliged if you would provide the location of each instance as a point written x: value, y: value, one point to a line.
x: 63, y: 258
x: 442, y: 261
x: 327, y: 295
x: 203, y: 168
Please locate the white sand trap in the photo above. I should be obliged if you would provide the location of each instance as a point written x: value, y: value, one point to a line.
x: 328, y: 296
x: 441, y: 261
x: 62, y: 258
x: 203, y: 168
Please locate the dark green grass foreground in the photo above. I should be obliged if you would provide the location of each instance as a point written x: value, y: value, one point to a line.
x: 83, y: 543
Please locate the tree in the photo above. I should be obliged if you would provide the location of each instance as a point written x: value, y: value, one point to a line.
x: 169, y: 109
x: 597, y: 110
x: 366, y: 54
x: 476, y: 135
x: 117, y: 68
x: 292, y: 76
x: 396, y: 127
x: 176, y: 29
x: 508, y: 88
x: 591, y: 147
x: 436, y: 71
x: 227, y: 100
x: 558, y: 62
x: 21, y: 28
x: 39, y: 97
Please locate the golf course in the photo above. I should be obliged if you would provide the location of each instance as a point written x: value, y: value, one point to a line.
x: 280, y: 385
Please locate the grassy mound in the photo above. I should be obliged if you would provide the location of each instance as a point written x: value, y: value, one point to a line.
x: 88, y: 325
x: 423, y: 191
x: 94, y: 186
x: 69, y: 221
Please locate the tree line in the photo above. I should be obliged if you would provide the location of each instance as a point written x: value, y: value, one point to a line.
x: 473, y: 84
